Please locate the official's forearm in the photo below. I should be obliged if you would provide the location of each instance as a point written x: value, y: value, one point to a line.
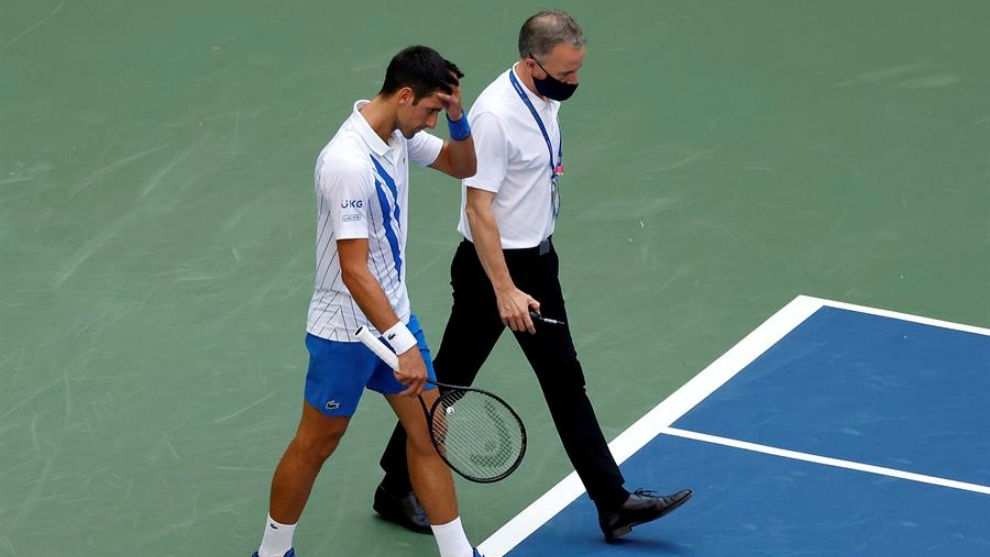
x: 488, y: 244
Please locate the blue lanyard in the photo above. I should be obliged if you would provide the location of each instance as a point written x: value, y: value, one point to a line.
x: 555, y: 169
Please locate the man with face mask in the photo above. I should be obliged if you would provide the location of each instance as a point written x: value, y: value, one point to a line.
x: 505, y: 272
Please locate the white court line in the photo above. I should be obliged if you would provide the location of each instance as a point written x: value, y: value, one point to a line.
x: 903, y: 316
x: 828, y: 461
x: 679, y: 403
x: 650, y: 425
x: 658, y: 420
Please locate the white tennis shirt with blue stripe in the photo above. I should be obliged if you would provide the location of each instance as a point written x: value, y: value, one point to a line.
x: 362, y: 191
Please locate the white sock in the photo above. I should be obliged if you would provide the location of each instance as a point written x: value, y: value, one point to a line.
x: 277, y: 539
x: 451, y: 539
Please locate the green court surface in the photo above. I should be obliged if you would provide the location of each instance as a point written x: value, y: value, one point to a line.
x: 157, y: 229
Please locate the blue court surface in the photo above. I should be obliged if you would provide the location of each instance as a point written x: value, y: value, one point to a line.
x: 832, y: 429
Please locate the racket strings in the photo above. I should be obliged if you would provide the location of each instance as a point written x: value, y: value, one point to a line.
x: 477, y: 434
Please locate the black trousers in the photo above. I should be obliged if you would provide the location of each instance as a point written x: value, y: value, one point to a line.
x: 471, y: 333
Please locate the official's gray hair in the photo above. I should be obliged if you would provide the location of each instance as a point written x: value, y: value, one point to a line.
x: 547, y: 29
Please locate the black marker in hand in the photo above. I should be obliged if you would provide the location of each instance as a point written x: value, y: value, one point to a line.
x: 546, y: 320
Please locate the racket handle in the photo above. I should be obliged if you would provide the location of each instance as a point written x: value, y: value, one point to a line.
x: 378, y: 347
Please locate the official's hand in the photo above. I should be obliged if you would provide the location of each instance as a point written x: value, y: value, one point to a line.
x: 412, y: 372
x: 513, y: 308
x: 452, y: 103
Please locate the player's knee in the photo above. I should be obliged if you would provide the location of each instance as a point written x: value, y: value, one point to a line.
x: 317, y: 448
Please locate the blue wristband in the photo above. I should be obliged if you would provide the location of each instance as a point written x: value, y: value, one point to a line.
x: 459, y: 130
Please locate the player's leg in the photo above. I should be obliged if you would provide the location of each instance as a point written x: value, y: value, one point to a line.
x: 335, y: 380
x: 315, y: 440
x: 432, y: 481
x: 471, y: 333
x: 429, y: 475
x: 394, y: 498
x: 411, y: 417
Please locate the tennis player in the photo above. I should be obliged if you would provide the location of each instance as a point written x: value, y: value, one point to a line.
x: 507, y: 266
x: 361, y: 184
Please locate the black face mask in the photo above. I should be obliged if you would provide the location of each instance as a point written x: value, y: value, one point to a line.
x: 551, y: 87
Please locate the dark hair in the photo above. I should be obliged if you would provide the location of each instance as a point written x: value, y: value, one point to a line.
x: 423, y: 70
x: 547, y: 29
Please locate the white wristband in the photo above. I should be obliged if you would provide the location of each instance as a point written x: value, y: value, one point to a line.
x: 400, y: 338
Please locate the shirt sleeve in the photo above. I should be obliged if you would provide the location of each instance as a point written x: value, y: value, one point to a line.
x: 492, y: 148
x: 424, y: 148
x: 345, y: 189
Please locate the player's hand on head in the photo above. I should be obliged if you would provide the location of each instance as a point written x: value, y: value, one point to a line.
x: 452, y: 103
x: 514, y: 306
x: 412, y: 372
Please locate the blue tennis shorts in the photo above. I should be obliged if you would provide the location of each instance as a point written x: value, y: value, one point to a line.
x: 340, y: 371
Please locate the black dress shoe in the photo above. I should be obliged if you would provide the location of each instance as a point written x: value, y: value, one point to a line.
x: 404, y: 511
x: 642, y: 506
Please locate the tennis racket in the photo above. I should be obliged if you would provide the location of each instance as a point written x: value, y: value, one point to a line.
x: 475, y: 432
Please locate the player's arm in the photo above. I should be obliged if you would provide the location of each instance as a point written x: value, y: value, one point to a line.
x: 370, y: 297
x: 345, y: 187
x: 457, y: 157
x: 513, y: 304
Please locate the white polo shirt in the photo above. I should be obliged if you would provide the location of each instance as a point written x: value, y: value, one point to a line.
x: 514, y: 162
x: 362, y: 192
